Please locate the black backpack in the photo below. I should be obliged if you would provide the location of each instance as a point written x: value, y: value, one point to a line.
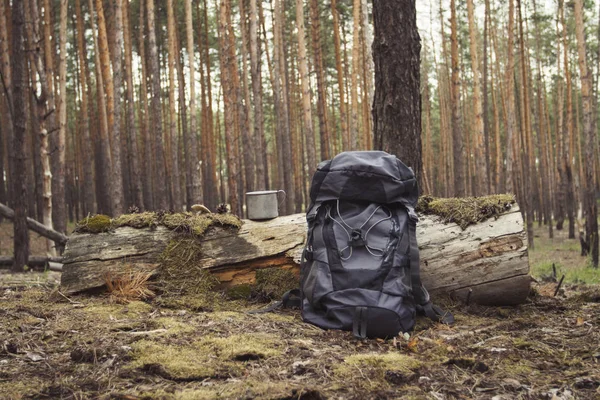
x: 360, y: 265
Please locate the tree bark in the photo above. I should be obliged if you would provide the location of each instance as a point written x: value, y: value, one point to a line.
x: 511, y: 123
x: 229, y: 110
x: 17, y: 153
x: 397, y: 101
x: 306, y: 94
x: 488, y: 258
x: 458, y: 148
x: 591, y: 206
x: 340, y: 80
x: 315, y: 26
x: 354, y: 131
x: 160, y: 183
x: 178, y: 201
x: 255, y: 72
x: 478, y: 128
x: 132, y: 125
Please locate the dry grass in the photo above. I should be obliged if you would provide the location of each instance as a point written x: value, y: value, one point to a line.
x: 129, y: 286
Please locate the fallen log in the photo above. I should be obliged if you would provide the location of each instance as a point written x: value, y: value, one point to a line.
x: 51, y: 263
x: 486, y: 261
x: 57, y: 237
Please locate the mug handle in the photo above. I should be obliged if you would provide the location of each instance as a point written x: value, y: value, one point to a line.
x: 282, y: 197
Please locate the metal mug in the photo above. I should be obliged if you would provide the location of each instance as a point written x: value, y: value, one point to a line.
x: 263, y: 204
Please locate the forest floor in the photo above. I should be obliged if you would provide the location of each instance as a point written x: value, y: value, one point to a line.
x: 80, y: 347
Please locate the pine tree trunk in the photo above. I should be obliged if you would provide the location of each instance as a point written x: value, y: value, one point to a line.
x: 315, y: 26
x: 306, y: 93
x: 132, y: 130
x: 354, y: 130
x: 178, y: 202
x: 458, y: 148
x: 511, y: 123
x: 367, y: 41
x: 244, y: 105
x: 591, y: 206
x: 88, y: 177
x: 396, y: 105
x: 6, y: 97
x: 17, y: 153
x: 478, y: 128
x: 146, y: 167
x: 567, y: 147
x: 255, y: 72
x: 340, y: 80
x: 230, y: 109
x: 160, y: 183
x: 211, y: 197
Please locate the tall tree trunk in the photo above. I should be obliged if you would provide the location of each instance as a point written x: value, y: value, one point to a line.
x: 88, y: 177
x: 230, y: 109
x: 193, y: 170
x: 132, y: 131
x: 354, y: 130
x: 315, y: 26
x: 478, y: 128
x: 486, y: 123
x: 255, y: 72
x: 210, y: 158
x: 62, y: 123
x: 286, y: 146
x: 247, y: 133
x: 560, y: 203
x: 458, y: 149
x: 397, y: 105
x: 529, y: 173
x: 571, y: 206
x: 367, y: 41
x: 591, y: 206
x: 172, y: 49
x: 17, y: 153
x: 160, y: 183
x: 6, y: 97
x: 511, y: 123
x: 306, y: 94
x: 340, y: 80
x: 148, y: 176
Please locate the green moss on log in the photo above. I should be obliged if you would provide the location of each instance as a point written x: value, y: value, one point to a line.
x: 272, y: 283
x: 468, y: 210
x: 186, y: 222
x: 94, y: 224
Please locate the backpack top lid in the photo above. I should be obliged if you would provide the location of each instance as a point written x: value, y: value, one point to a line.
x: 370, y: 176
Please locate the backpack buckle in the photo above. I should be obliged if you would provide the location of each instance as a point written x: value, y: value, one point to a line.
x: 356, y: 238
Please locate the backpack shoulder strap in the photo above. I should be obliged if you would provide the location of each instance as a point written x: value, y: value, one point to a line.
x: 422, y: 298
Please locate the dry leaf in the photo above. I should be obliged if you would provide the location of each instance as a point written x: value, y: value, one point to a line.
x: 580, y: 321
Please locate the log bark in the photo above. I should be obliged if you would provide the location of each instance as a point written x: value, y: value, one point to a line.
x: 488, y: 259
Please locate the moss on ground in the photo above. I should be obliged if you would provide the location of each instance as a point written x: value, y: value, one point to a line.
x: 204, y: 358
x: 468, y: 210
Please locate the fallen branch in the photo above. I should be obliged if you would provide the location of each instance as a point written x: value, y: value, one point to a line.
x: 59, y: 238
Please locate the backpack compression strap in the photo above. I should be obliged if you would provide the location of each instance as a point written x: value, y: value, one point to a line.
x: 424, y: 304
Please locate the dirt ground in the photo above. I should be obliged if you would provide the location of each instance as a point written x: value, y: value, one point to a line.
x: 87, y: 347
x: 54, y: 346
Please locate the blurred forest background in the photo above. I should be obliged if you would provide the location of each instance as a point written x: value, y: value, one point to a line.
x: 157, y: 105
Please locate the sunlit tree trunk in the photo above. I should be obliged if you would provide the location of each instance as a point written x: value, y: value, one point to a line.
x: 591, y: 206
x: 354, y: 130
